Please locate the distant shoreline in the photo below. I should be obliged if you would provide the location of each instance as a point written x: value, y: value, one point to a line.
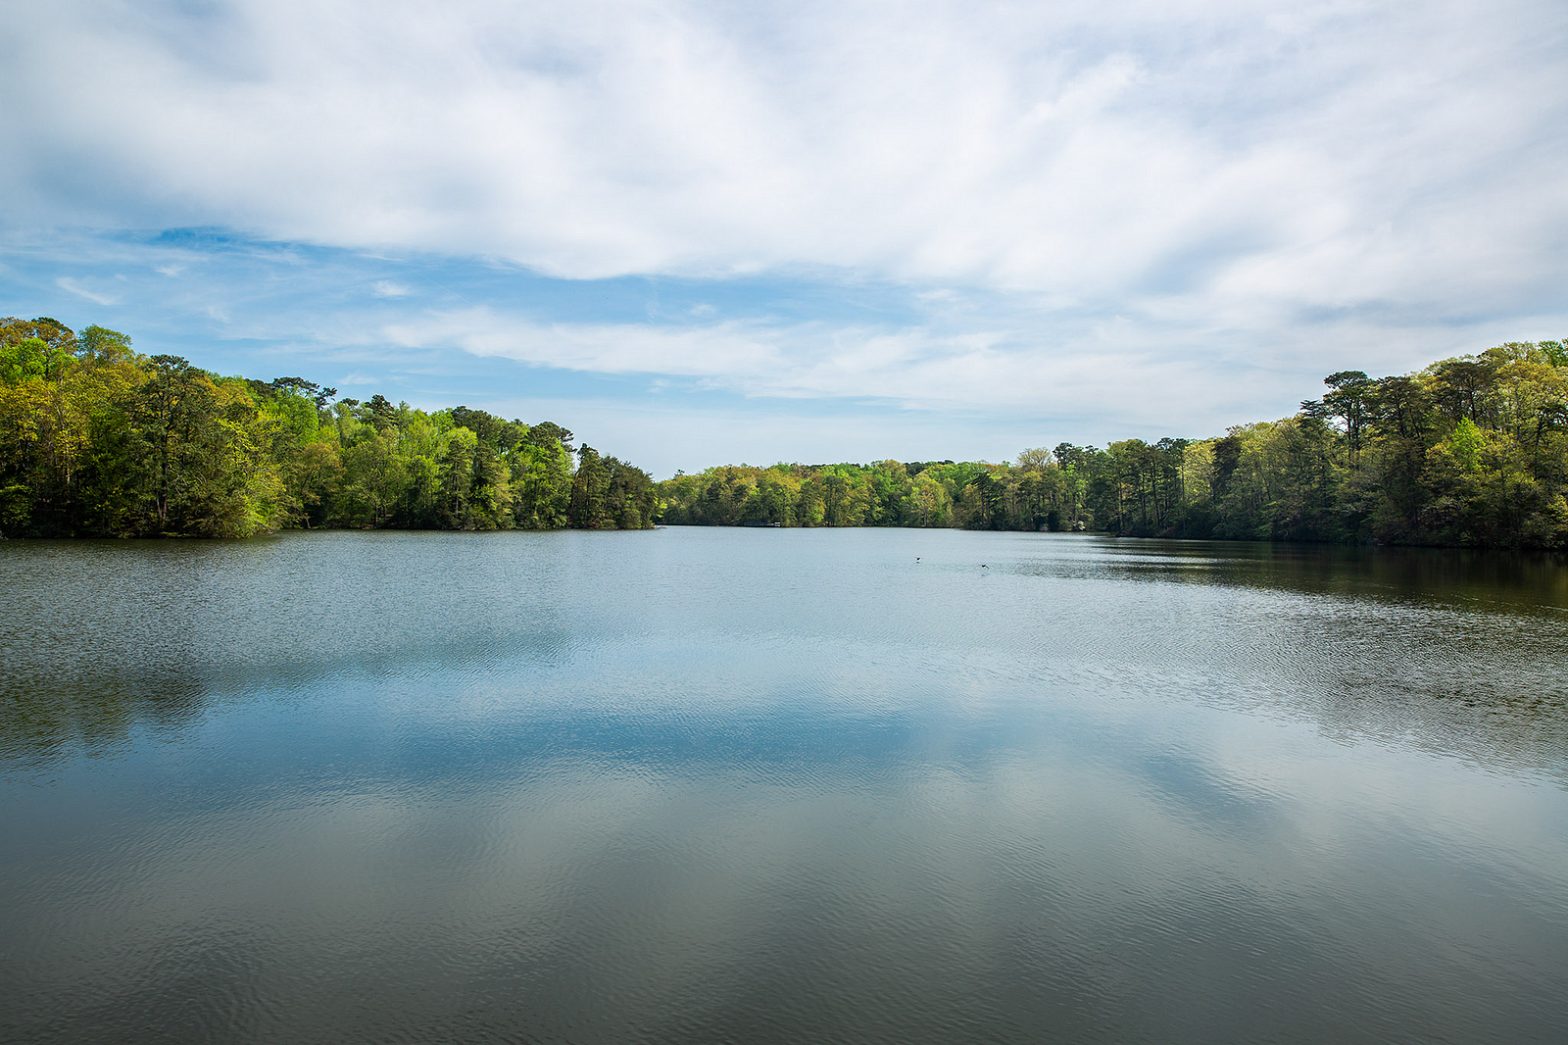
x: 98, y: 440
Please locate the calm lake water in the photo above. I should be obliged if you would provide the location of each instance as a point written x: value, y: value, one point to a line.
x: 780, y: 786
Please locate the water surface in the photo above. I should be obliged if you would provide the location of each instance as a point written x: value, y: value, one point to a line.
x: 780, y: 786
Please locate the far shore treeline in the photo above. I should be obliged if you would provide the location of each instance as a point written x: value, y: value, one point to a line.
x: 99, y: 440
x: 1470, y: 451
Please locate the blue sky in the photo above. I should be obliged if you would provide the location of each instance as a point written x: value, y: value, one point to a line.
x: 699, y: 233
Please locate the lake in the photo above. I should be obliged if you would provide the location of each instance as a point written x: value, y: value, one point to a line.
x: 781, y: 786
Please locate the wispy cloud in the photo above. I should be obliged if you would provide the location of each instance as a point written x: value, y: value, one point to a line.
x: 72, y: 286
x: 1098, y: 373
x: 386, y: 288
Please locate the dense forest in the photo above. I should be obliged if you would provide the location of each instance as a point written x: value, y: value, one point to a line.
x: 96, y: 439
x: 1470, y: 451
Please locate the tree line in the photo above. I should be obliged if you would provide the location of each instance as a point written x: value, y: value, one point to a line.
x: 1469, y: 451
x: 99, y: 440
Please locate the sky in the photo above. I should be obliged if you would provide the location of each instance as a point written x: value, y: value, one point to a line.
x: 701, y: 233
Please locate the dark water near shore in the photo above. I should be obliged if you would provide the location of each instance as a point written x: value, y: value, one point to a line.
x: 780, y: 786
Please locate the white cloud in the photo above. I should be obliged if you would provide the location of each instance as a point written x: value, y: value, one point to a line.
x: 1319, y: 155
x: 1101, y: 377
x: 386, y: 288
x: 72, y: 286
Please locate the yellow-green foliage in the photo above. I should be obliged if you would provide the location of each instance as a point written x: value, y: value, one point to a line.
x: 96, y: 439
x: 1471, y: 451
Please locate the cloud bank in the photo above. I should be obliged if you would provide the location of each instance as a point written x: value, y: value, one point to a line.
x: 1161, y: 188
x: 1324, y: 152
